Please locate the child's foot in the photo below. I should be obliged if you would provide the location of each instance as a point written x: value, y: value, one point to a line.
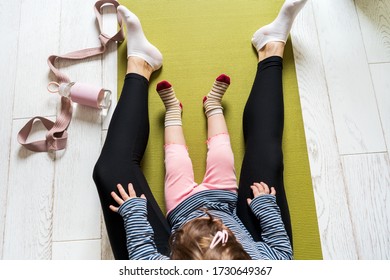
x: 279, y: 29
x: 137, y: 44
x: 212, y: 102
x: 172, y: 104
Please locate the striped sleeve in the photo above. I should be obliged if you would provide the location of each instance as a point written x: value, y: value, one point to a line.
x: 139, y: 233
x: 276, y: 242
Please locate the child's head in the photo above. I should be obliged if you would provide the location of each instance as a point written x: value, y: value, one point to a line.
x: 193, y: 240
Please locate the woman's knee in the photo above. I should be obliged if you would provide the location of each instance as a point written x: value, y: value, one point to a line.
x: 273, y: 165
x: 101, y: 173
x: 265, y: 162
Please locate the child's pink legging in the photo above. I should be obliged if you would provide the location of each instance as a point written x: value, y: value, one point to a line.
x: 179, y: 177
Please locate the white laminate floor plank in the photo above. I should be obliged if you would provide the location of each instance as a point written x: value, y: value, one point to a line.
x: 76, y: 205
x: 368, y: 184
x: 77, y: 208
x: 374, y: 17
x: 106, y: 250
x: 380, y: 76
x: 325, y: 165
x: 38, y: 39
x: 352, y: 97
x: 77, y: 250
x: 28, y: 225
x: 9, y: 28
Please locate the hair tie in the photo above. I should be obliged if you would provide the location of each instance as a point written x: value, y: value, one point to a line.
x: 220, y: 236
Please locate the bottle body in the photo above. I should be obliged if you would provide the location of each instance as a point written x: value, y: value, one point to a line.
x: 86, y: 94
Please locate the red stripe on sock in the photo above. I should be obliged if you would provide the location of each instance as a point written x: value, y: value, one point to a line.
x: 163, y: 85
x: 224, y: 79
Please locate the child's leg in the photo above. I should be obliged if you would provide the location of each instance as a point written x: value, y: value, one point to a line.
x: 263, y: 119
x: 220, y: 173
x: 179, y: 175
x: 119, y: 161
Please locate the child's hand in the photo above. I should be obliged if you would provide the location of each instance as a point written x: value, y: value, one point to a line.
x: 261, y: 189
x: 124, y: 196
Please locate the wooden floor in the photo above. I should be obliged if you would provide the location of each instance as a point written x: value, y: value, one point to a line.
x: 49, y: 207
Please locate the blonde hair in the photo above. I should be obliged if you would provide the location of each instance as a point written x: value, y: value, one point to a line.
x: 192, y: 242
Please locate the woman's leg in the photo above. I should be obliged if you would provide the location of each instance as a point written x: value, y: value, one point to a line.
x: 263, y: 119
x: 120, y: 162
x: 125, y: 144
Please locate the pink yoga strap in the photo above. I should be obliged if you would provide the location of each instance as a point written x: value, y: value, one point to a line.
x: 57, y: 135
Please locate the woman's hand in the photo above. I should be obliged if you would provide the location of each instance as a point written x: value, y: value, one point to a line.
x: 261, y: 189
x: 124, y: 196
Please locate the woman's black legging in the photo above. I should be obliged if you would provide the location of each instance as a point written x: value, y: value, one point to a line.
x: 263, y: 122
x: 127, y: 138
x: 120, y: 162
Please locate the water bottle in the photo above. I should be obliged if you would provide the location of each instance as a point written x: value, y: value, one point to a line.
x: 84, y: 94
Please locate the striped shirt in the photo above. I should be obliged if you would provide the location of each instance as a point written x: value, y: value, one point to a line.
x: 221, y: 204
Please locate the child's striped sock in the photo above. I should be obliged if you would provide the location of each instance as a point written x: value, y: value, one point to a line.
x: 172, y: 104
x: 212, y: 102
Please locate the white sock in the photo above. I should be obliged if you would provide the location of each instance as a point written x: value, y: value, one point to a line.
x: 279, y: 29
x: 137, y: 44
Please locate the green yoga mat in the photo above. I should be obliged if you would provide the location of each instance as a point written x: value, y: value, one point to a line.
x: 199, y: 40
